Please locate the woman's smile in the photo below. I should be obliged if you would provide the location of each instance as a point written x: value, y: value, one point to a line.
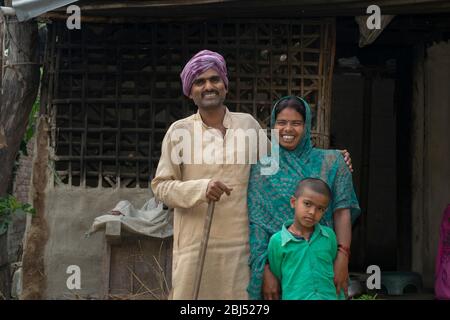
x: 288, y: 138
x: 291, y: 126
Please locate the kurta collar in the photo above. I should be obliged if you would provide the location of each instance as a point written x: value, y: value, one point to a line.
x: 226, y: 120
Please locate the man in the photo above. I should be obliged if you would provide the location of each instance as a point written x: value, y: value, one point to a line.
x: 188, y: 187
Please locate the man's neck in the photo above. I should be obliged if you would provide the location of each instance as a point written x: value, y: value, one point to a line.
x: 213, y: 117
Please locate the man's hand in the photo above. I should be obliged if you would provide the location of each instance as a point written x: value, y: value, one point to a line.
x: 271, y: 287
x: 347, y: 159
x: 341, y: 273
x: 216, y: 189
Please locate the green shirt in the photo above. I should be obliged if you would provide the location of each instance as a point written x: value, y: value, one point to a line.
x: 304, y: 268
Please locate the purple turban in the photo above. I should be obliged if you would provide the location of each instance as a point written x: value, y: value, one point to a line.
x: 199, y: 63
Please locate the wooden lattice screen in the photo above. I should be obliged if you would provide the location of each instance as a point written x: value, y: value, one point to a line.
x: 114, y: 89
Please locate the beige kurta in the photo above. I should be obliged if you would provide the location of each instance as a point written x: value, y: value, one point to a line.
x: 183, y: 187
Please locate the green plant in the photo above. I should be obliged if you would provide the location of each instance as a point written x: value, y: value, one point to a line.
x: 366, y: 297
x: 9, y: 206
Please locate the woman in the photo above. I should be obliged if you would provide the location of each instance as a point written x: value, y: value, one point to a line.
x: 268, y: 195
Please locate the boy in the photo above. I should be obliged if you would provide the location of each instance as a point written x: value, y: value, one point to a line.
x: 301, y: 255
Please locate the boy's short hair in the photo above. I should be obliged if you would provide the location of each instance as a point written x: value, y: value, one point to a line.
x: 315, y: 184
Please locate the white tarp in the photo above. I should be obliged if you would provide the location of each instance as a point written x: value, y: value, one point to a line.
x: 27, y: 9
x: 151, y: 220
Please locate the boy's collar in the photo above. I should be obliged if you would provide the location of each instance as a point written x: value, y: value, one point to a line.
x: 286, y: 236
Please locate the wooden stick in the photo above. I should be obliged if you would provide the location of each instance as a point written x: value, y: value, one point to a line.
x: 203, y: 245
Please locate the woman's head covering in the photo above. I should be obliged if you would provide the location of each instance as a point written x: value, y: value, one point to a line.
x: 198, y: 64
x: 268, y: 195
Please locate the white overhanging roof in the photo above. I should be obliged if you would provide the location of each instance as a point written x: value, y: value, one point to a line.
x: 27, y: 9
